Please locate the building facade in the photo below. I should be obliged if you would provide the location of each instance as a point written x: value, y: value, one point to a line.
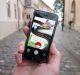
x: 9, y: 16
x: 32, y: 5
x: 72, y: 12
x: 13, y: 14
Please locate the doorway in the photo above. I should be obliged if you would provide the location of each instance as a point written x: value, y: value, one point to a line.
x: 73, y: 12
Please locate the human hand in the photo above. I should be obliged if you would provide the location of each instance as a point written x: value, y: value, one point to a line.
x: 25, y: 67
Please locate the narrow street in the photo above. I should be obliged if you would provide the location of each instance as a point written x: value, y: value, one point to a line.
x: 68, y: 42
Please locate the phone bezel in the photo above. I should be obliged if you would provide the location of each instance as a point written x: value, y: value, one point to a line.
x: 46, y: 16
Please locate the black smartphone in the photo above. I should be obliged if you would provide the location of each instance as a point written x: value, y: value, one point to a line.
x: 40, y: 36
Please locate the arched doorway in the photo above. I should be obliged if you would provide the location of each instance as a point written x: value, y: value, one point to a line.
x: 73, y: 12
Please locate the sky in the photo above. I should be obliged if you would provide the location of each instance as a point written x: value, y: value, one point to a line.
x: 49, y: 3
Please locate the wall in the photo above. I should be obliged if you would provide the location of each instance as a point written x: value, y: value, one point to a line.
x: 68, y: 4
x: 67, y: 11
x: 21, y: 11
x: 28, y: 11
x: 77, y: 17
x: 8, y: 25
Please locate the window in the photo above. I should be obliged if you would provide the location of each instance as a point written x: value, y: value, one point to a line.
x: 28, y: 2
x: 28, y: 16
x: 19, y: 12
x: 15, y: 10
x: 8, y: 9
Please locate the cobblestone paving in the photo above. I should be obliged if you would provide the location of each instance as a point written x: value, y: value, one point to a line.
x: 65, y: 42
x: 68, y: 42
x: 8, y: 48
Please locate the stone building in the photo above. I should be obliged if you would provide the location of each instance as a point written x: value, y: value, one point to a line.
x: 32, y: 5
x: 13, y: 14
x: 9, y: 16
x: 72, y: 12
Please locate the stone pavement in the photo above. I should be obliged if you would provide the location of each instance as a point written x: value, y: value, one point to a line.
x: 8, y: 48
x: 68, y: 42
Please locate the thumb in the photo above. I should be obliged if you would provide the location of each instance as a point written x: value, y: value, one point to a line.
x: 54, y: 57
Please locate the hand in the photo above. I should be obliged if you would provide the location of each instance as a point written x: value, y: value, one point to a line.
x: 25, y: 67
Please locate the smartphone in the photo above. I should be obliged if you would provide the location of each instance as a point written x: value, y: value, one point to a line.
x: 40, y: 37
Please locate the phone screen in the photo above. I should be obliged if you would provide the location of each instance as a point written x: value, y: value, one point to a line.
x: 41, y: 33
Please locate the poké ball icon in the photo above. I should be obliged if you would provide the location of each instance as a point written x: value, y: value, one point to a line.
x: 38, y: 44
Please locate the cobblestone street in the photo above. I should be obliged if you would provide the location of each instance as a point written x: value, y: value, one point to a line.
x: 68, y: 42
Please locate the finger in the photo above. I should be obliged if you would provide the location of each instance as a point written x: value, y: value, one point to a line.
x: 54, y: 58
x: 53, y: 50
x: 19, y: 58
x: 21, y: 47
x: 19, y: 53
x: 26, y: 30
